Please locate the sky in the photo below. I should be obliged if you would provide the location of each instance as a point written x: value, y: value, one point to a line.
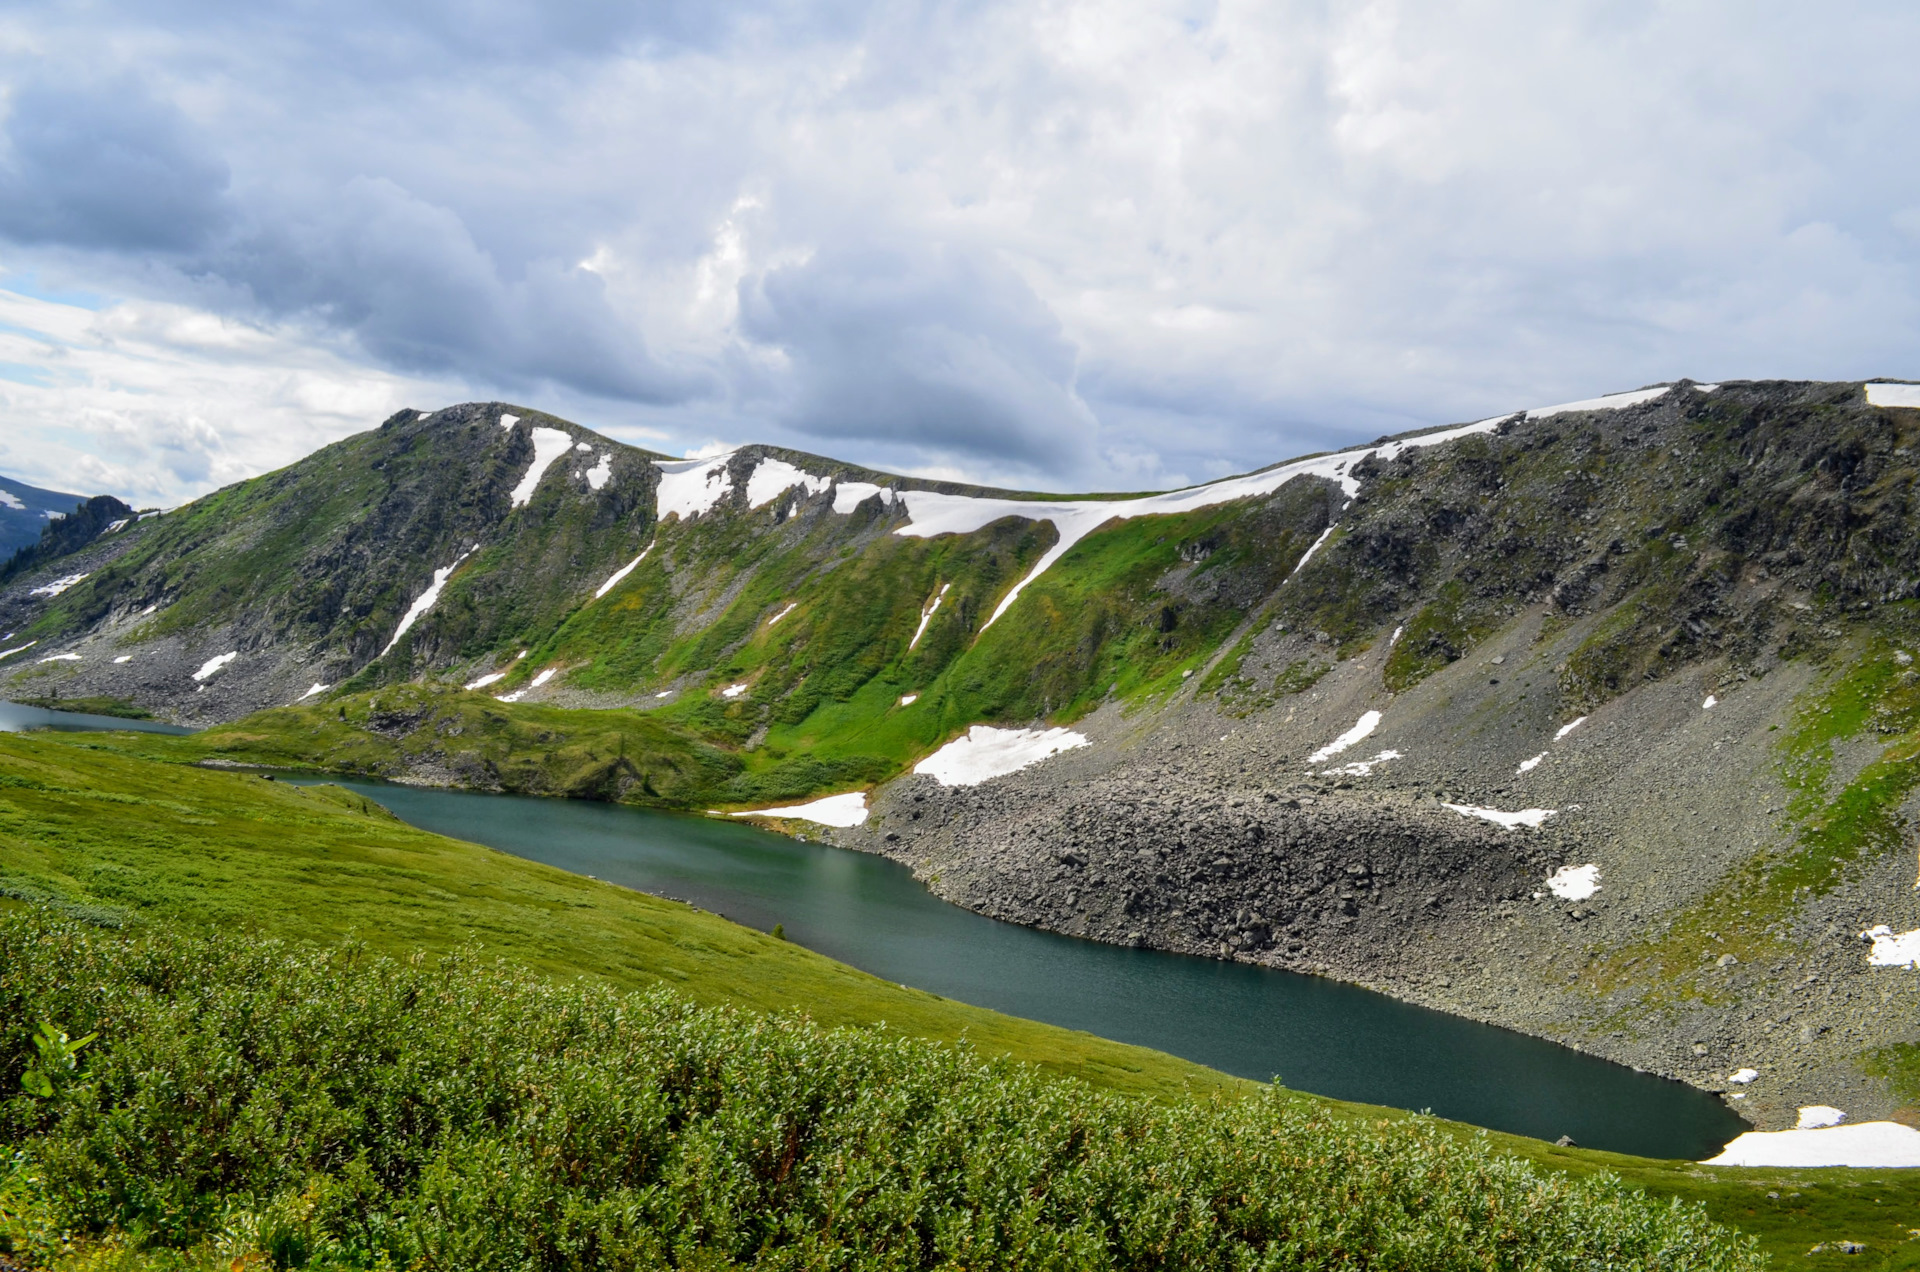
x: 1047, y: 244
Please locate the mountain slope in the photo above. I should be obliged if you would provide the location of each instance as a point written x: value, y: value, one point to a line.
x: 1676, y: 624
x: 25, y: 511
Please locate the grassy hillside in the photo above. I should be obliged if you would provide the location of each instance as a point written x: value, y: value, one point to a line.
x: 131, y: 844
x: 246, y: 1103
x: 122, y: 840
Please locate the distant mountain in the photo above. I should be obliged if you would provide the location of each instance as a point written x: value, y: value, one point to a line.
x: 25, y: 511
x: 1600, y: 721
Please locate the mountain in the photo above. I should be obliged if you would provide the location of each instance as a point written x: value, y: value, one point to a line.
x: 25, y: 511
x: 1599, y: 721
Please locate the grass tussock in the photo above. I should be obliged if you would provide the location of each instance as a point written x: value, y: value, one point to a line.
x: 253, y: 1103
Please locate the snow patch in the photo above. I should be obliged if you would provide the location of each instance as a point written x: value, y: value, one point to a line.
x: 602, y: 471
x: 1358, y: 768
x: 1307, y: 556
x: 1529, y: 817
x: 10, y: 500
x: 1892, y: 949
x: 926, y: 616
x: 1815, y: 1116
x: 545, y: 675
x: 986, y: 752
x: 18, y: 649
x: 934, y: 514
x: 772, y: 478
x: 317, y: 688
x: 689, y: 487
x: 1710, y: 703
x: 116, y: 525
x: 549, y: 444
x: 1395, y: 638
x: 1611, y: 402
x: 492, y: 677
x: 1569, y: 728
x: 1865, y: 1144
x: 508, y: 421
x: 148, y: 610
x: 582, y: 447
x: 1367, y: 724
x: 664, y: 693
x: 57, y: 586
x: 213, y: 666
x: 734, y: 691
x: 791, y: 606
x: 124, y: 658
x: 849, y: 495
x: 1571, y: 883
x: 908, y: 699
x: 1740, y: 1077
x: 515, y: 696
x: 835, y: 810
x: 426, y: 601
x: 1527, y: 766
x: 1893, y: 395
x: 69, y: 658
x: 613, y: 580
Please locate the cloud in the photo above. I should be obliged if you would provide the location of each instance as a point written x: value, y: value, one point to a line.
x: 941, y: 350
x: 107, y: 165
x: 407, y: 279
x: 1076, y: 243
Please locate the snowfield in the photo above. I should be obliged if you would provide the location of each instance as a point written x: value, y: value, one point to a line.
x: 1529, y: 817
x: 1893, y: 395
x: 772, y: 478
x: 926, y: 616
x: 689, y: 487
x: 10, y: 500
x: 57, y: 586
x: 426, y: 601
x: 1866, y: 1144
x: 602, y: 472
x: 835, y: 810
x: 1890, y: 948
x: 1367, y: 724
x: 985, y: 753
x: 549, y: 444
x: 1357, y: 768
x: 849, y: 495
x: 934, y: 514
x: 213, y: 666
x: 613, y: 580
x: 317, y: 688
x: 1574, y: 883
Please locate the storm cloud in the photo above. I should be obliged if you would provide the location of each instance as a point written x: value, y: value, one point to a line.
x: 1117, y: 244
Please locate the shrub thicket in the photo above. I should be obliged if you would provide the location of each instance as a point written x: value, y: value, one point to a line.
x: 334, y: 1108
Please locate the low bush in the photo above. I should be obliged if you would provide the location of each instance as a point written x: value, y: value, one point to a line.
x: 248, y: 1101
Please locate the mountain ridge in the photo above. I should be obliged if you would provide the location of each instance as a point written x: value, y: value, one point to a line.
x: 1711, y: 586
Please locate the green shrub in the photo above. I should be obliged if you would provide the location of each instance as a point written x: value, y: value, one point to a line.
x: 305, y: 1107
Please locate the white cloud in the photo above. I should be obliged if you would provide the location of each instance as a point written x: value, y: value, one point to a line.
x: 1124, y: 243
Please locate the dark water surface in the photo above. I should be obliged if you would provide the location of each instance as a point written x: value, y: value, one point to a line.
x: 1313, y: 1034
x: 15, y: 718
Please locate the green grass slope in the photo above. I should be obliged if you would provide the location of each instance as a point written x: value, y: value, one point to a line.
x: 101, y: 833
x: 125, y: 840
x: 242, y: 1103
